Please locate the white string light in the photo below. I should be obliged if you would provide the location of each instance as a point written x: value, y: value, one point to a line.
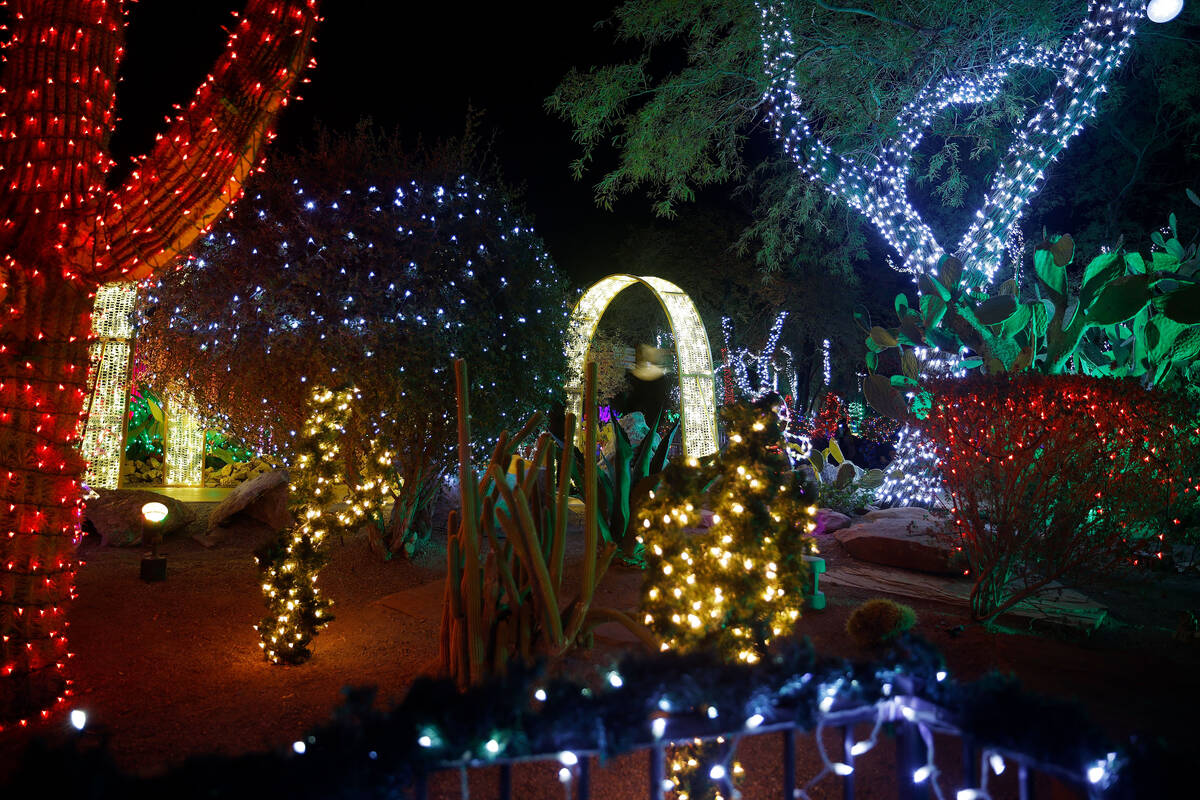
x: 877, y: 186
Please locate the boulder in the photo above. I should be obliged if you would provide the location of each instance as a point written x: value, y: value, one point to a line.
x: 263, y: 498
x: 909, y: 538
x: 829, y: 521
x: 117, y: 515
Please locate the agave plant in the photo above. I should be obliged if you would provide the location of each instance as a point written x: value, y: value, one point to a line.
x: 625, y: 482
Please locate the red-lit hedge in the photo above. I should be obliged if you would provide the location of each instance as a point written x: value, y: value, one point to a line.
x: 1051, y: 473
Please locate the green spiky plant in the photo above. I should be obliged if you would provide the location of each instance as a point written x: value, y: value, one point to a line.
x: 625, y: 483
x: 504, y: 597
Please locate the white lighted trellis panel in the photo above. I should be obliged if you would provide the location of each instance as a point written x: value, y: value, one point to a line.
x: 183, y: 447
x: 103, y: 432
x: 692, y: 354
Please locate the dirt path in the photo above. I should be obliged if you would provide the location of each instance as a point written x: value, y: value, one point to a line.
x: 173, y: 669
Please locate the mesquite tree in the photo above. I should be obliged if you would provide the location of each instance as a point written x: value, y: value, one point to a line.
x: 63, y: 232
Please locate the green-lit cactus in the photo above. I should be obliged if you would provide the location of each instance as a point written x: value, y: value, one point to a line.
x: 1133, y: 317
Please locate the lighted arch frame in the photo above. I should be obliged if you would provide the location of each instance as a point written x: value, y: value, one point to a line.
x: 697, y: 404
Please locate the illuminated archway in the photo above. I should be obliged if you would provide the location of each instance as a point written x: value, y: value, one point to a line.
x: 697, y: 403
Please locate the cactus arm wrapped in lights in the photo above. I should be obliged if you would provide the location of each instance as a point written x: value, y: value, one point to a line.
x: 289, y: 563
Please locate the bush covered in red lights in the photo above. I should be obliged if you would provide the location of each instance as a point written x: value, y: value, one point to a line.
x: 1051, y: 474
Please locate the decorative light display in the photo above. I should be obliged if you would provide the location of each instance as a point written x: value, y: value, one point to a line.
x: 774, y: 369
x: 296, y: 611
x: 1048, y: 474
x: 183, y: 445
x: 379, y: 284
x: 108, y: 378
x: 912, y: 479
x: 692, y: 354
x: 826, y: 363
x: 742, y: 584
x: 876, y: 185
x: 63, y: 234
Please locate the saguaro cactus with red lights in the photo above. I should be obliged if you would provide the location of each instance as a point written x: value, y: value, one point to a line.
x: 63, y: 232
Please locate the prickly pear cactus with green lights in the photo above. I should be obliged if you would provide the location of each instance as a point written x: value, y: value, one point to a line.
x: 1133, y: 317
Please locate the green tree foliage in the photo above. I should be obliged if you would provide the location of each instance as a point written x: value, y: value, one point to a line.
x: 354, y: 262
x: 686, y: 110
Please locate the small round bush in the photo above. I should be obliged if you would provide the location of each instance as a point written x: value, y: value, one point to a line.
x: 879, y: 620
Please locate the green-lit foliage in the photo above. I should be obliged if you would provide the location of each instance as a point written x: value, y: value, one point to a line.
x: 143, y: 437
x: 1133, y: 317
x: 850, y: 487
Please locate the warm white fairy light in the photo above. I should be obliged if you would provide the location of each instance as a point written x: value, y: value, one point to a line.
x: 692, y: 354
x: 877, y: 185
x: 112, y: 326
x: 183, y: 445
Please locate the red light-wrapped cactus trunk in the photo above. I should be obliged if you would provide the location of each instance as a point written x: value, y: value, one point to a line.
x: 63, y: 232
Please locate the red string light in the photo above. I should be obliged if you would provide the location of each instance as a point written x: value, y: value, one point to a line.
x: 62, y: 234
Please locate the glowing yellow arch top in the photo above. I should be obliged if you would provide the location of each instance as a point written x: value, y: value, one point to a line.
x: 697, y: 404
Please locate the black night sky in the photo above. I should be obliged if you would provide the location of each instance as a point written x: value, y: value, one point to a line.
x: 418, y: 72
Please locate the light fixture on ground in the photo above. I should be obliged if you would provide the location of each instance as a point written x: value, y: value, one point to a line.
x: 154, y: 566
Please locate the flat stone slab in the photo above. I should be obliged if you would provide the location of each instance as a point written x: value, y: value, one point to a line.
x: 1056, y: 606
x: 909, y: 538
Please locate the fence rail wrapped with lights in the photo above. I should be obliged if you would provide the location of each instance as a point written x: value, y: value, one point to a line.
x: 647, y: 704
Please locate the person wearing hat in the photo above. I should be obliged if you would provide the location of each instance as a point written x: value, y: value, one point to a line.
x: 648, y: 386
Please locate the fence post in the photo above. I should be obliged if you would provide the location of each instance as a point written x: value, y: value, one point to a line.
x: 909, y: 755
x: 970, y: 757
x: 848, y: 758
x: 506, y: 781
x: 1024, y: 782
x: 789, y: 764
x: 658, y: 771
x: 585, y: 779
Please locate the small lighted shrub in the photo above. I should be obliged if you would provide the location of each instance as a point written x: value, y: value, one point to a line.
x: 740, y: 584
x: 878, y: 621
x: 290, y: 561
x: 1054, y: 474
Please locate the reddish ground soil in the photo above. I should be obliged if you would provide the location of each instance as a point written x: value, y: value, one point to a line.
x: 173, y: 669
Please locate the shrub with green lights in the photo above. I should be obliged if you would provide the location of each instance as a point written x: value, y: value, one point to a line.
x: 355, y: 263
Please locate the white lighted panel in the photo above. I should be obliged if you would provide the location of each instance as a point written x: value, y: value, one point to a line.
x: 184, y: 445
x: 112, y: 325
x: 692, y: 354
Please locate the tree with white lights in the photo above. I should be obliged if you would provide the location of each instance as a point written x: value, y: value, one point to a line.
x: 357, y: 264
